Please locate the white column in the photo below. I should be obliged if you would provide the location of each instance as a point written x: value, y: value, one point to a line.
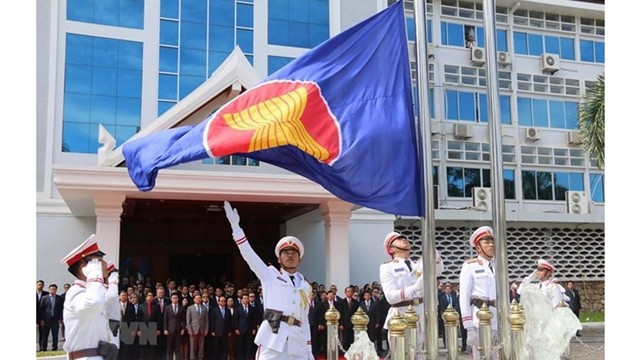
x: 108, y: 211
x: 336, y: 215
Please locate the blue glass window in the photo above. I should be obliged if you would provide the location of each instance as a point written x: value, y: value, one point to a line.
x: 129, y: 14
x: 501, y: 40
x: 599, y: 49
x: 245, y: 40
x: 275, y: 63
x: 188, y: 84
x: 586, y: 51
x: 169, y: 32
x: 194, y: 11
x: 168, y: 59
x: 520, y: 43
x: 245, y: 15
x: 535, y: 44
x: 552, y: 45
x: 169, y: 9
x: 540, y: 113
x: 452, y: 34
x: 596, y: 184
x: 567, y: 49
x: 193, y: 62
x: 103, y: 83
x: 461, y: 181
x: 193, y: 35
x: 505, y: 109
x: 168, y: 87
x: 544, y: 185
x: 299, y: 23
x: 411, y: 29
x: 548, y: 113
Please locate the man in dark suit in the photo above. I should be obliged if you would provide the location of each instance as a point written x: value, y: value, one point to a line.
x: 150, y: 318
x: 220, y: 327
x: 50, y: 317
x: 347, y: 307
x: 322, y: 322
x: 383, y: 310
x: 370, y: 307
x: 161, y: 302
x: 574, y: 300
x: 445, y: 298
x: 40, y: 292
x: 132, y: 316
x: 245, y: 327
x: 173, y: 326
x: 314, y: 305
x: 197, y: 326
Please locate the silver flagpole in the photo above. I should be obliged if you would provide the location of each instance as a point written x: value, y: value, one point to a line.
x: 428, y: 221
x: 497, y: 178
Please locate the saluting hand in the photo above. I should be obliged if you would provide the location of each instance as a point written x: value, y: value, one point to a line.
x: 234, y: 220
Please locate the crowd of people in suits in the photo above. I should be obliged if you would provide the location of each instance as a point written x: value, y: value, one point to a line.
x: 225, y: 319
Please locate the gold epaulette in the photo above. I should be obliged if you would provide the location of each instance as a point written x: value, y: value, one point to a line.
x: 470, y: 261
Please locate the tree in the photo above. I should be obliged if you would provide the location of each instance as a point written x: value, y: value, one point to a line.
x: 591, y: 121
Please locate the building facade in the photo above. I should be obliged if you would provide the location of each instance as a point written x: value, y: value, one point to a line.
x: 110, y: 71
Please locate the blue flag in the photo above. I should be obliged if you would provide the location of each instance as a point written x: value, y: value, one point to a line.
x: 340, y: 115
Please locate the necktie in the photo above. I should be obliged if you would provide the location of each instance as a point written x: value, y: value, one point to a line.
x: 292, y: 280
x: 136, y: 309
x: 490, y: 266
x: 246, y: 311
x: 367, y: 305
x: 449, y: 299
x: 198, y: 310
x: 53, y: 305
x: 161, y: 306
x: 149, y: 309
x: 122, y: 308
x: 408, y: 262
x: 175, y: 309
x: 222, y: 311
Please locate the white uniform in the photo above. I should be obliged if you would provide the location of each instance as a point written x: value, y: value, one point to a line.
x: 552, y: 291
x: 395, y: 279
x: 291, y: 342
x: 112, y: 311
x: 477, y: 281
x: 84, y: 317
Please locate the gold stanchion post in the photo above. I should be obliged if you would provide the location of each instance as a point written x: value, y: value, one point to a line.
x: 397, y: 325
x: 451, y: 317
x: 485, y: 315
x: 516, y: 321
x: 411, y: 338
x: 332, y: 316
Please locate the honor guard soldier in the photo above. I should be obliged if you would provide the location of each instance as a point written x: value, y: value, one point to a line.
x: 402, y: 282
x: 284, y: 333
x: 552, y: 290
x: 478, y: 286
x: 112, y: 303
x: 86, y: 326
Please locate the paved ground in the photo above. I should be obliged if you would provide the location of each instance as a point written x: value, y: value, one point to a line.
x: 590, y: 346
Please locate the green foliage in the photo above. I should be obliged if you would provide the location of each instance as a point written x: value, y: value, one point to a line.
x: 50, y: 353
x: 591, y: 316
x: 591, y: 122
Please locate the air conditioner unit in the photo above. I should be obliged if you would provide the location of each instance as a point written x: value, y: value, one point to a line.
x: 532, y: 134
x: 431, y: 50
x: 504, y: 58
x: 577, y: 202
x: 574, y: 138
x: 482, y: 198
x: 477, y: 55
x: 462, y: 131
x: 550, y: 63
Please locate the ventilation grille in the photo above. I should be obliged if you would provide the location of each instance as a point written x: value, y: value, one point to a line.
x: 576, y: 253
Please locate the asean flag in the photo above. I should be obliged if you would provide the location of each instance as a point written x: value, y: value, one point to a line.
x: 340, y: 115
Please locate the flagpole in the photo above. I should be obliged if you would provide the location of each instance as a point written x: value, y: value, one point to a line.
x: 428, y: 220
x: 497, y: 178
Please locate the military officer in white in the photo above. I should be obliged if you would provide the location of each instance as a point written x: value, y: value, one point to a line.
x: 552, y: 290
x: 401, y: 280
x: 284, y: 332
x: 84, y: 308
x: 112, y: 304
x: 478, y: 286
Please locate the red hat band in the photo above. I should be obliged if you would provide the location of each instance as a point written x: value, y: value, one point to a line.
x: 88, y: 251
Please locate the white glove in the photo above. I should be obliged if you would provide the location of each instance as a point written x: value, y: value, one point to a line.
x: 415, y: 290
x: 530, y: 277
x: 93, y: 269
x: 472, y: 336
x: 114, y: 278
x: 234, y: 221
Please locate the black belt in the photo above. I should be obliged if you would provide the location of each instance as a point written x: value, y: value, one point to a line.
x: 414, y: 302
x: 290, y: 320
x: 478, y: 302
x: 83, y: 353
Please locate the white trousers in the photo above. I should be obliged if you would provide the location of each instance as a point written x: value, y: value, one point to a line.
x: 264, y: 353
